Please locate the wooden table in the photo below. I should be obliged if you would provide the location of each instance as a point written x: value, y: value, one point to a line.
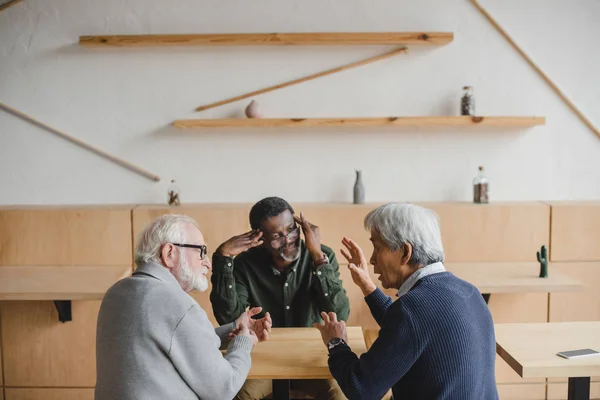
x: 59, y: 283
x: 296, y: 353
x: 530, y: 349
x: 513, y: 278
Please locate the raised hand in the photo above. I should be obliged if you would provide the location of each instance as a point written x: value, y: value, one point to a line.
x: 312, y: 235
x: 259, y: 327
x: 241, y: 243
x: 331, y: 328
x: 357, y: 264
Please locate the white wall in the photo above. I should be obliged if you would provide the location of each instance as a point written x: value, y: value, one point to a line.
x: 124, y: 100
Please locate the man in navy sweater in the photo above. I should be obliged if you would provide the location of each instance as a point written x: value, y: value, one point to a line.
x: 436, y: 340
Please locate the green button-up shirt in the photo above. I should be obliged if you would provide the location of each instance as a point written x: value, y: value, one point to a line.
x: 294, y: 297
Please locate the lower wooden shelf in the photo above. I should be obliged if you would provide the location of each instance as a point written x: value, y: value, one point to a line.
x: 495, y: 121
x: 58, y: 282
x: 513, y: 277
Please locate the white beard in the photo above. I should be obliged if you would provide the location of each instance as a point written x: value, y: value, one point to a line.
x: 187, y: 277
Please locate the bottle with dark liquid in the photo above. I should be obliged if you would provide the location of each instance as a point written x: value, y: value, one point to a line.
x: 481, y: 188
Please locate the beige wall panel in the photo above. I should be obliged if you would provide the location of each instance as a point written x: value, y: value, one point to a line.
x: 493, y: 232
x: 506, y: 308
x: 577, y: 306
x: 41, y: 351
x: 559, y: 391
x: 575, y: 231
x: 49, y: 394
x: 338, y: 220
x: 75, y: 236
x: 218, y: 222
x: 528, y: 391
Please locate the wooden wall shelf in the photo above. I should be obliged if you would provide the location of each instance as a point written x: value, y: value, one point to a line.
x: 494, y: 277
x: 58, y: 282
x: 521, y: 122
x: 271, y: 39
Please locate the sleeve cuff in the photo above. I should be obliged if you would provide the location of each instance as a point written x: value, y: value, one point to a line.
x: 240, y: 342
x: 223, y: 263
x: 376, y: 298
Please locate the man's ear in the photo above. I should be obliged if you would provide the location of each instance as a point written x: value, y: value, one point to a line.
x: 407, y: 249
x: 167, y: 253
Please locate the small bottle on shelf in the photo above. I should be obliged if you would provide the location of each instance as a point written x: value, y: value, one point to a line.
x: 173, y: 194
x: 481, y: 188
x: 467, y: 102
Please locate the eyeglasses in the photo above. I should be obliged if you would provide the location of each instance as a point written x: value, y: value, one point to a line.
x: 281, y: 240
x: 201, y: 247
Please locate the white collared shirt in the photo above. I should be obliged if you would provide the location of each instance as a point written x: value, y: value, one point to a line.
x: 419, y: 274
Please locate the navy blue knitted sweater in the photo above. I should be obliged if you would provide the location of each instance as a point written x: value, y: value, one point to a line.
x: 436, y: 342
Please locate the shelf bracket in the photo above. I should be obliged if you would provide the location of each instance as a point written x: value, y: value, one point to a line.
x: 486, y: 297
x: 64, y: 310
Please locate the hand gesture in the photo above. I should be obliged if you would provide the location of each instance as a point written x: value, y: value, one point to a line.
x: 239, y: 244
x: 331, y: 328
x: 259, y: 327
x: 244, y: 331
x: 311, y: 235
x: 358, y: 266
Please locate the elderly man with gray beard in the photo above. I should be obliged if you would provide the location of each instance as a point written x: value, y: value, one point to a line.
x: 154, y: 341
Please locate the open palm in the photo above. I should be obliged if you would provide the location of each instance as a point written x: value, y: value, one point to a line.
x: 357, y: 263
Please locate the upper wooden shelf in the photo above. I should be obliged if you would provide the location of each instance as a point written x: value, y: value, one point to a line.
x: 271, y: 39
x: 372, y: 121
x: 58, y: 282
x: 513, y: 277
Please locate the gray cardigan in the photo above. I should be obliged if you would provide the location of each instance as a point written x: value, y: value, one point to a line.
x: 154, y: 341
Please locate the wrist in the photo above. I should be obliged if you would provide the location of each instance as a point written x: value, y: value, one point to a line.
x: 319, y: 258
x: 368, y: 288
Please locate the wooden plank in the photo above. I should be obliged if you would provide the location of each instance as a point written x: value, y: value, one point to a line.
x: 49, y: 394
x: 514, y: 277
x: 522, y: 391
x: 80, y: 143
x: 58, y: 283
x: 9, y: 4
x: 495, y: 232
x: 304, y: 79
x: 575, y: 231
x: 298, y: 353
x: 66, y: 236
x: 537, y: 69
x: 495, y: 121
x: 273, y: 39
x: 530, y: 349
x: 39, y: 351
x: 559, y: 391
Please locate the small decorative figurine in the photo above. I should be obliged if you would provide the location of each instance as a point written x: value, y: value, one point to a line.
x: 252, y: 110
x: 173, y: 194
x: 359, y: 189
x: 543, y: 260
x: 467, y: 102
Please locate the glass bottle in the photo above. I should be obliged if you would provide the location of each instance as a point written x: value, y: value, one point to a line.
x: 467, y: 102
x: 481, y: 188
x: 173, y: 194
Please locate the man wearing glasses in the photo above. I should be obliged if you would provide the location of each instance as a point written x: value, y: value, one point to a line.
x: 154, y: 341
x: 293, y: 280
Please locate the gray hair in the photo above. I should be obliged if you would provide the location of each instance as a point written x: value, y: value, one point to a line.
x: 168, y: 228
x: 400, y: 223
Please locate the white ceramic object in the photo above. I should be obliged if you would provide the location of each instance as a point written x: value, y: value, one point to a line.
x: 252, y: 110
